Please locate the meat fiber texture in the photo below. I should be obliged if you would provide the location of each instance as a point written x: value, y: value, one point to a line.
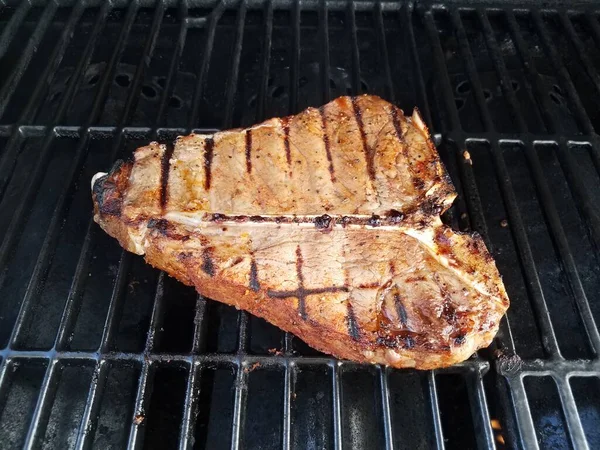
x: 326, y: 224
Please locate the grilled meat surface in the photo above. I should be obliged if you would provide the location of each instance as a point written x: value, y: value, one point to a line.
x: 325, y: 223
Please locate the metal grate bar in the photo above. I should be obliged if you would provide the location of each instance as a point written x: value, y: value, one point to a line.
x: 467, y: 57
x: 215, y: 15
x: 42, y: 408
x: 336, y: 367
x: 406, y: 21
x: 235, y: 66
x: 241, y: 386
x: 534, y: 287
x: 6, y: 368
x: 324, y: 47
x: 587, y: 210
x: 350, y: 14
x: 12, y: 81
x: 266, y: 61
x: 116, y: 302
x: 481, y: 415
x: 231, y: 359
x: 143, y: 65
x: 190, y: 408
x: 522, y: 413
x: 13, y: 25
x: 440, y: 68
x: 55, y: 59
x: 239, y: 402
x: 138, y: 426
x: 385, y: 403
x: 72, y: 304
x: 473, y: 201
x: 534, y: 78
x: 295, y: 63
x: 569, y: 406
x: 592, y: 22
x: 138, y: 422
x: 199, y: 319
x: 173, y: 67
x: 383, y: 52
x: 498, y: 61
x: 288, y: 391
x: 435, y: 411
x: 581, y: 53
x: 92, y: 406
x: 90, y: 414
x: 577, y: 107
x: 562, y: 245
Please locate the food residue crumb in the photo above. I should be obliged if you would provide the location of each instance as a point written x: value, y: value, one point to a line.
x: 138, y: 419
x: 252, y: 367
x: 467, y: 157
x: 276, y: 352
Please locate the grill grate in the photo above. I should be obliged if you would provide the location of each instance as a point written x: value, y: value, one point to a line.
x: 91, y: 338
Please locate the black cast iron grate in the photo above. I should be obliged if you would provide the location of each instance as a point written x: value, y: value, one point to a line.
x: 99, y: 350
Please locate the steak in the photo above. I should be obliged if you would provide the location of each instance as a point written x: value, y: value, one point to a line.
x: 326, y: 224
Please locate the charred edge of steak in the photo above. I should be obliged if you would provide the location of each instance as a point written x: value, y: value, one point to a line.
x: 108, y: 189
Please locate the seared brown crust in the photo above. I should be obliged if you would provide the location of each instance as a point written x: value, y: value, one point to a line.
x: 354, y: 260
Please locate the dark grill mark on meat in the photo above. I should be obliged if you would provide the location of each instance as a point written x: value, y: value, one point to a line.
x: 165, y: 165
x: 301, y: 292
x: 285, y: 122
x: 209, y: 145
x: 417, y: 181
x: 400, y: 310
x: 369, y: 156
x: 249, y: 150
x: 369, y: 285
x: 398, y: 128
x: 254, y: 284
x: 207, y: 261
x: 326, y: 142
x: 351, y: 322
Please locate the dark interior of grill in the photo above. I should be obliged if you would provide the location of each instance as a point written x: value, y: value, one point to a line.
x: 99, y: 350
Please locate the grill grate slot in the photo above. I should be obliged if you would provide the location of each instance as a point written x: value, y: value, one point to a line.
x: 84, y: 83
